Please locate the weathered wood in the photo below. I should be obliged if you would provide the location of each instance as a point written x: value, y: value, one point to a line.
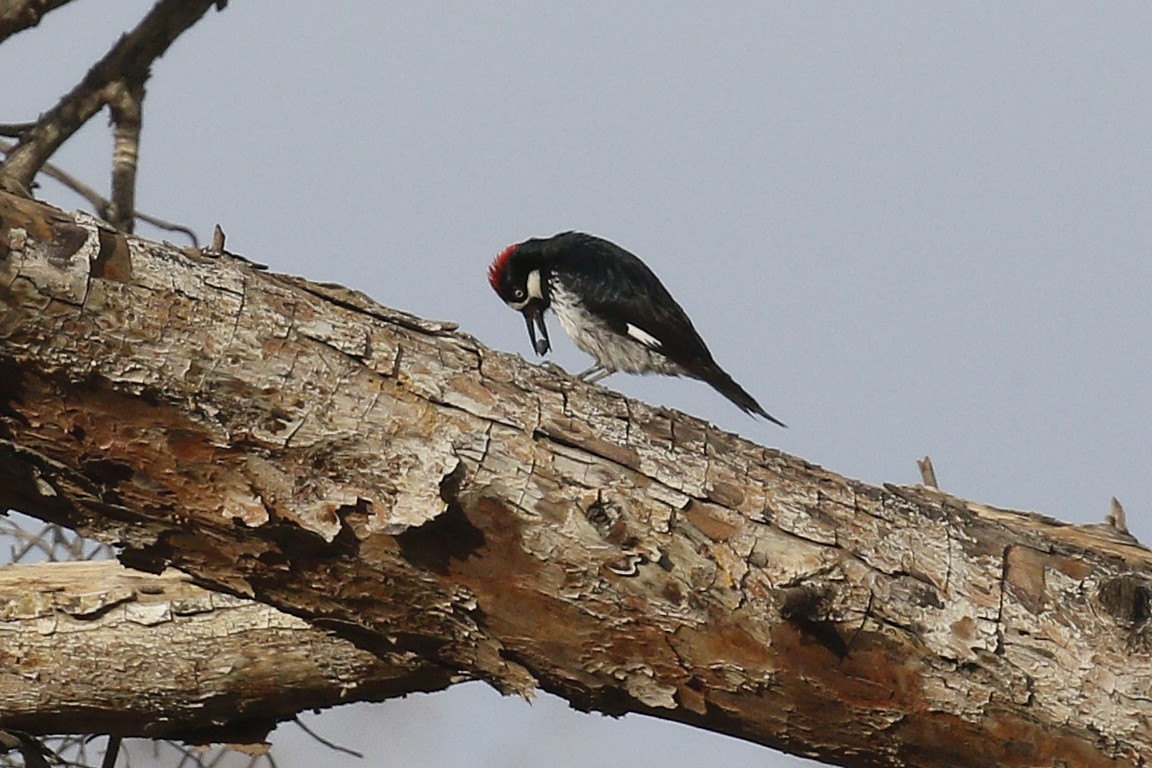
x: 18, y: 15
x: 97, y: 646
x: 398, y: 482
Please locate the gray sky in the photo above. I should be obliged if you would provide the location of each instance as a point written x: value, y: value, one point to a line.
x: 905, y: 228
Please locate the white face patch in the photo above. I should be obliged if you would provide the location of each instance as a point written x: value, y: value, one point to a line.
x: 534, y: 291
x: 643, y: 337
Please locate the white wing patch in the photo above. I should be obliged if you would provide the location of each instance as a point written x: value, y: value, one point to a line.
x: 642, y: 336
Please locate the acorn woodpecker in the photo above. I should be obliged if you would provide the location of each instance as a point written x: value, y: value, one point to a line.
x: 612, y: 306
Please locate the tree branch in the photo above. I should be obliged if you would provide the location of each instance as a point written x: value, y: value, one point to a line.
x: 18, y: 15
x: 133, y: 654
x: 396, y: 482
x: 127, y: 104
x: 101, y: 205
x: 127, y: 63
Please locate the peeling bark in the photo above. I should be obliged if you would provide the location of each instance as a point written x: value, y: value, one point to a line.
x: 392, y: 480
x: 95, y: 645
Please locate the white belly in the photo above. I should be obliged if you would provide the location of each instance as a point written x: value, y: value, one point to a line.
x: 613, y: 351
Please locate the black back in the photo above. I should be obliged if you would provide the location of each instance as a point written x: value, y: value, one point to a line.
x: 620, y: 289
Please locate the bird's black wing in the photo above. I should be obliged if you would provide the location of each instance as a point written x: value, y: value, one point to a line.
x: 620, y: 289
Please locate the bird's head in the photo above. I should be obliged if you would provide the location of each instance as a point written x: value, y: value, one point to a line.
x: 518, y: 277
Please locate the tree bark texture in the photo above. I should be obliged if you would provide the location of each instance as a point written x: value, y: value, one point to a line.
x: 394, y: 481
x: 97, y: 646
x: 18, y: 15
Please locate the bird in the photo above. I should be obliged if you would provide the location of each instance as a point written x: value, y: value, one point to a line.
x: 612, y: 306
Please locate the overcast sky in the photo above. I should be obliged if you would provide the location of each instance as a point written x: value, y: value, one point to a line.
x: 905, y: 228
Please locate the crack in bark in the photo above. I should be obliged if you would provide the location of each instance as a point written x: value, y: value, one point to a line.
x: 999, y: 650
x: 242, y: 298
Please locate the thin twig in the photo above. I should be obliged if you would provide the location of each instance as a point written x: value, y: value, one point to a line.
x: 16, y: 15
x: 32, y: 542
x: 128, y: 61
x: 15, y: 130
x: 187, y: 755
x: 30, y: 748
x: 100, y: 204
x: 111, y: 752
x: 126, y: 104
x: 221, y: 753
x: 324, y: 741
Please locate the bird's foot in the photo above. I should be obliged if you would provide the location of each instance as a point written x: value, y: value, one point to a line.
x: 594, y: 374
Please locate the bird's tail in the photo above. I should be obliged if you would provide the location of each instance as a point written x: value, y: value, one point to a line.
x: 725, y: 385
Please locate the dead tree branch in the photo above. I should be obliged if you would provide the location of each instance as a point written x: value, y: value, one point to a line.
x: 124, y: 68
x: 127, y: 104
x: 18, y: 15
x: 129, y: 653
x: 393, y: 481
x: 102, y: 205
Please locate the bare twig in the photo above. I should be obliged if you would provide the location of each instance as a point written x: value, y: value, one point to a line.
x: 111, y: 752
x: 126, y: 104
x: 15, y: 130
x: 18, y: 15
x: 171, y: 227
x: 28, y: 746
x: 128, y: 61
x: 32, y: 541
x: 102, y: 205
x: 324, y: 741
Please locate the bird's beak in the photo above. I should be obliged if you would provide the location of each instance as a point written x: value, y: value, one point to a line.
x: 533, y: 316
